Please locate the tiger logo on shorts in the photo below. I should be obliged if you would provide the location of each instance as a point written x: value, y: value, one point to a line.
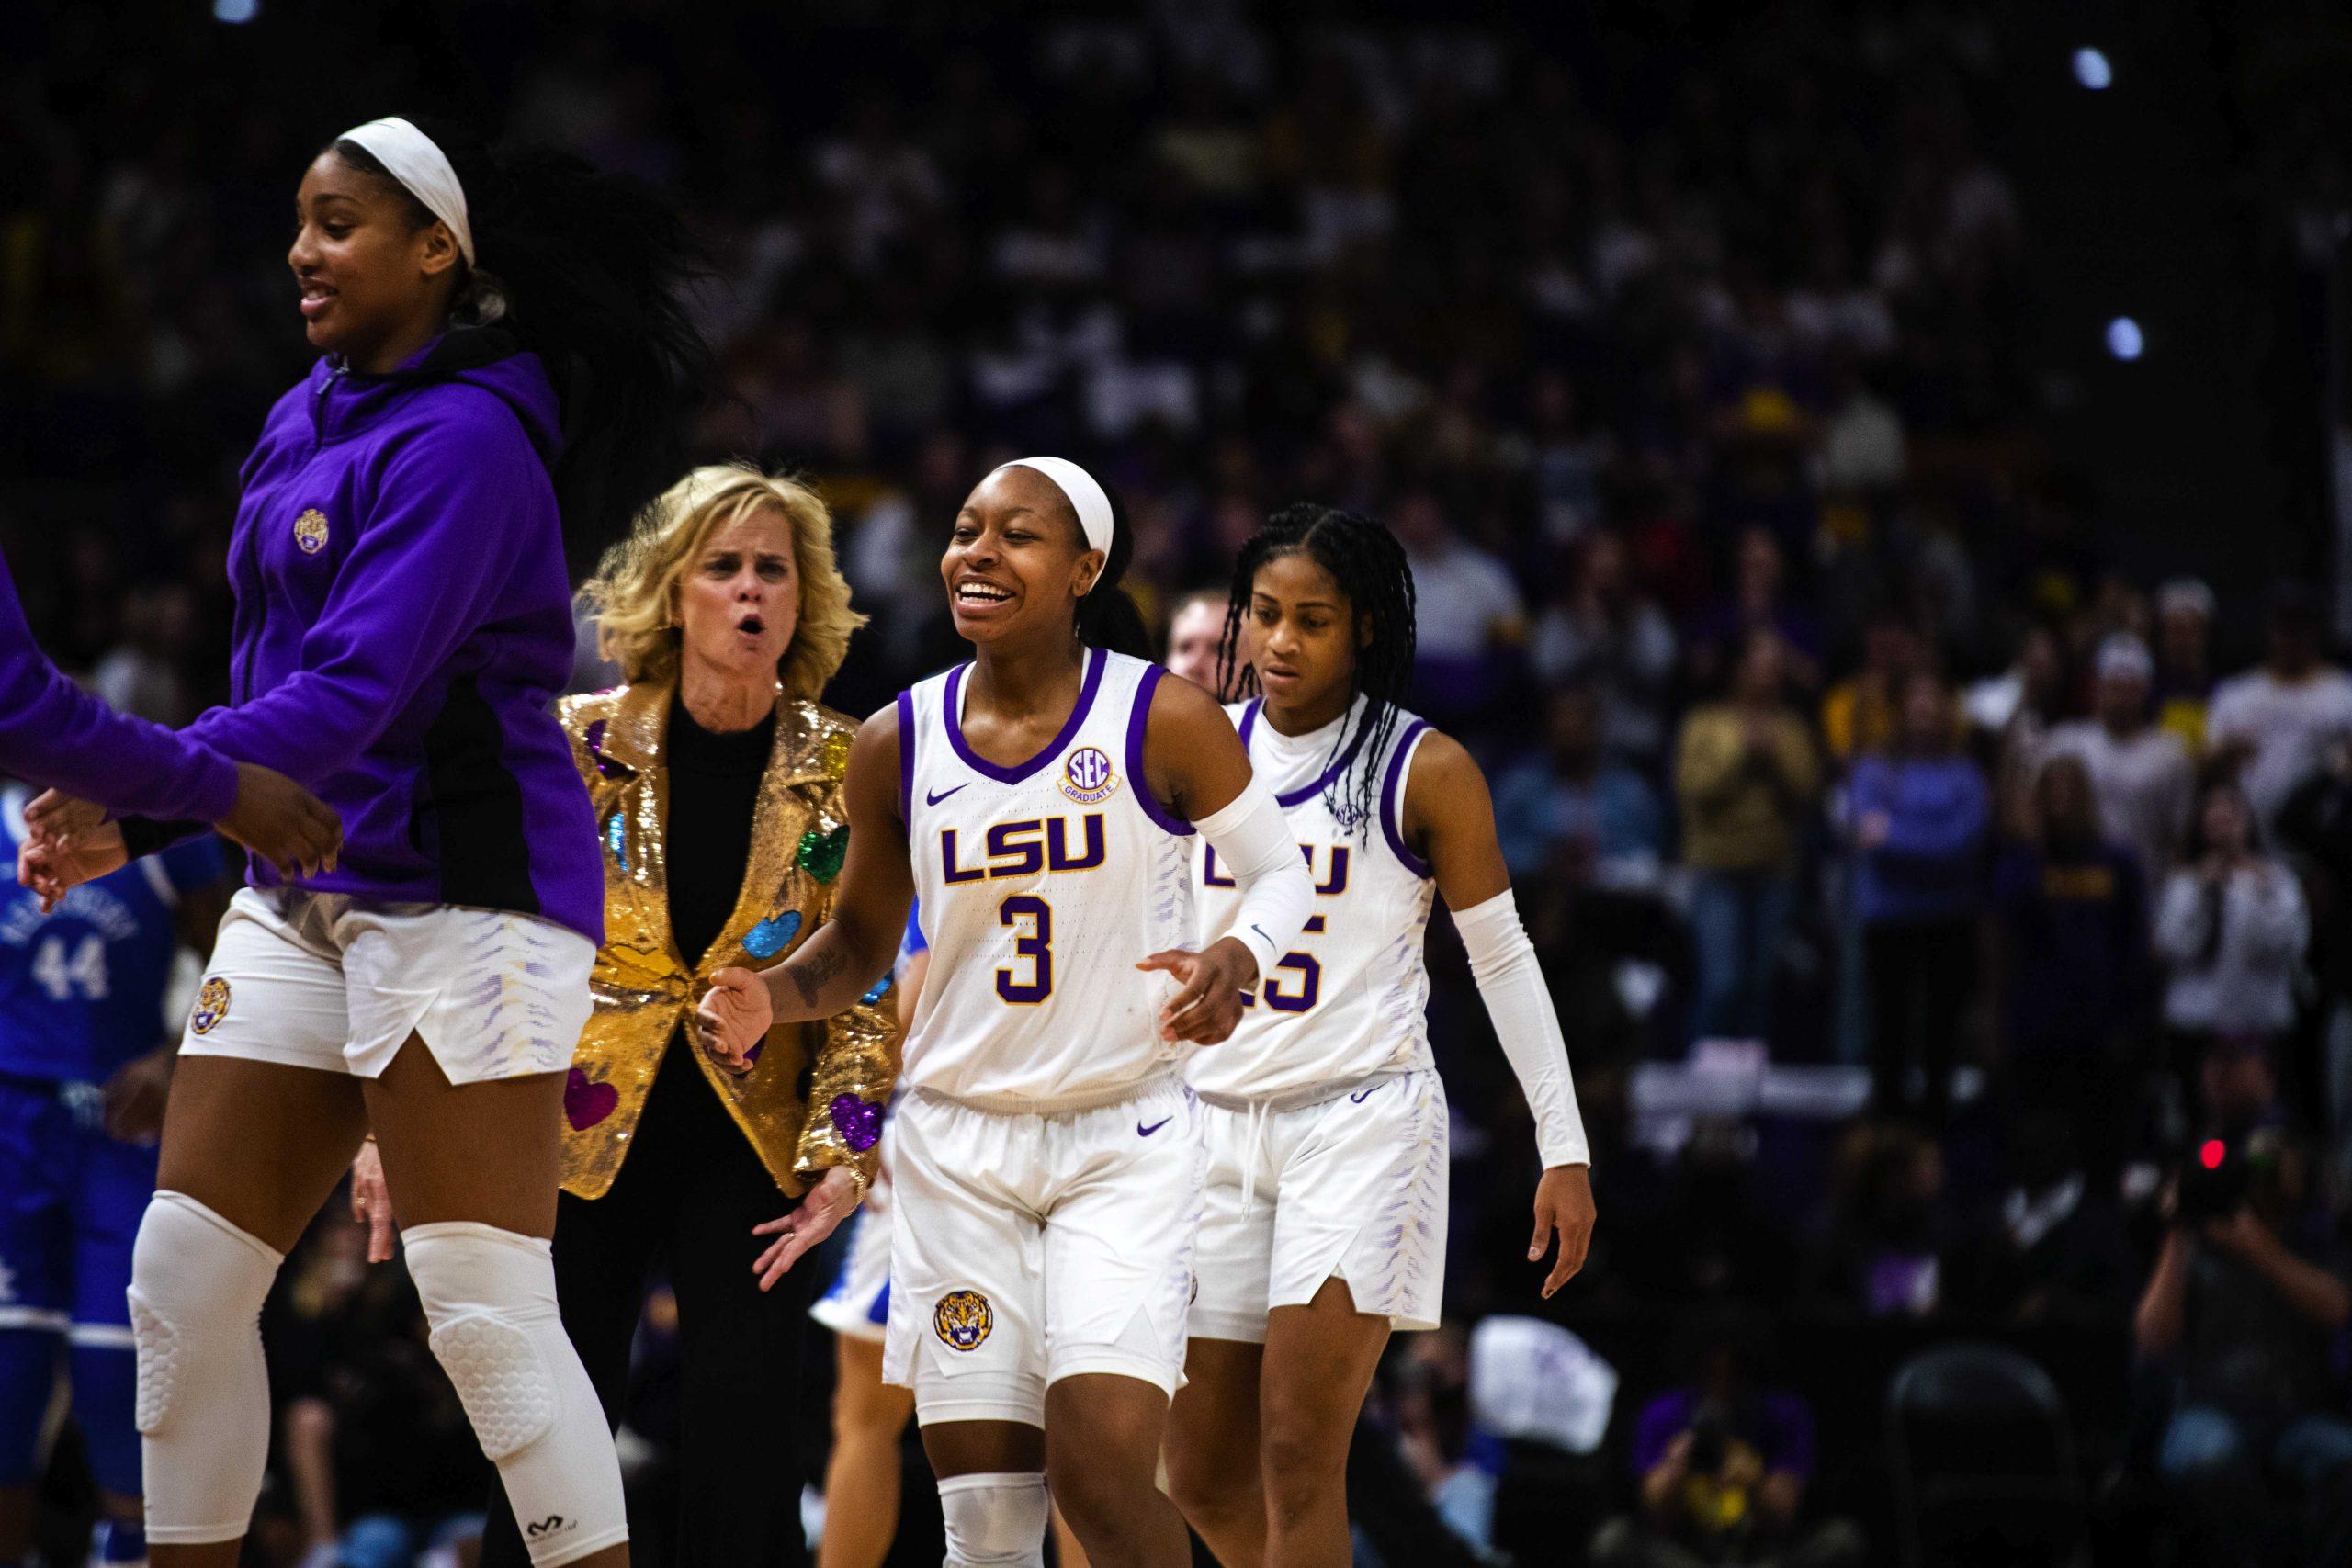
x: 963, y: 1319
x: 212, y: 1005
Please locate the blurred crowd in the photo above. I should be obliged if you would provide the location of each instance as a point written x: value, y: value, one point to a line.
x: 1824, y: 731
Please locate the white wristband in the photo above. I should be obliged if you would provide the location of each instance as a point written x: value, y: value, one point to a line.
x: 1254, y: 842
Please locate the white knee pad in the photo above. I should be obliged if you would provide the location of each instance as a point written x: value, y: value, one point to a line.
x: 994, y: 1521
x: 196, y: 1286
x: 489, y: 1297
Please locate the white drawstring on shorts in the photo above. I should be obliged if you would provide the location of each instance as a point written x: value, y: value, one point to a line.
x: 1253, y: 1149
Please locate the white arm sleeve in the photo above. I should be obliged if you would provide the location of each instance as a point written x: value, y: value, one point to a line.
x: 1520, y: 1004
x: 1254, y: 842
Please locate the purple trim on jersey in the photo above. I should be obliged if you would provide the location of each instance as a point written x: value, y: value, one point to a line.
x: 1304, y: 793
x: 1138, y: 717
x: 1392, y: 798
x: 952, y: 713
x: 907, y: 761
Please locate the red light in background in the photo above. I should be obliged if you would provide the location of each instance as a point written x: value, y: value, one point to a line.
x: 2210, y: 1153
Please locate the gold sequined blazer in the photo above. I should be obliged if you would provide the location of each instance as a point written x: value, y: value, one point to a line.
x: 645, y: 989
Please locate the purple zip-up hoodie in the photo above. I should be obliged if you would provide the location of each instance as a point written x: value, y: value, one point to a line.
x: 54, y: 734
x: 404, y: 620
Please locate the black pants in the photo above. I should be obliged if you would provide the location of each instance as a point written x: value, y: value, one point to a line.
x: 685, y: 1203
x: 1919, y: 973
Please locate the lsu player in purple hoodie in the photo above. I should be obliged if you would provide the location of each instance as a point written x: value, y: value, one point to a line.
x: 504, y: 360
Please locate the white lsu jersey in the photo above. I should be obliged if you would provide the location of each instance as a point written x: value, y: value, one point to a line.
x: 1041, y: 888
x: 1350, y: 1001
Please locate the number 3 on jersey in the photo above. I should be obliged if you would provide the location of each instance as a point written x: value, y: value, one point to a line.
x: 1036, y: 944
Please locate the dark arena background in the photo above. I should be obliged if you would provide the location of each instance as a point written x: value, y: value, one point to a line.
x: 1990, y: 356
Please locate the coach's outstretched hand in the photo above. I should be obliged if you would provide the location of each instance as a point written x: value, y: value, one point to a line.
x: 825, y: 1205
x: 283, y: 823
x: 1208, y: 1008
x: 371, y: 1202
x: 133, y: 1099
x: 1563, y: 1207
x: 734, y: 1018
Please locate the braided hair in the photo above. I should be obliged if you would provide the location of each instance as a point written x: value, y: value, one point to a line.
x: 1366, y: 561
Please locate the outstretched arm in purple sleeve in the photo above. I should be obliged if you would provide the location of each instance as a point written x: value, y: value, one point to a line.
x: 54, y: 733
x: 96, y: 760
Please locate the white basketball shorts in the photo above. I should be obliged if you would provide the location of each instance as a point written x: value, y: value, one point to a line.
x: 326, y: 981
x: 1351, y: 1187
x: 1032, y: 1247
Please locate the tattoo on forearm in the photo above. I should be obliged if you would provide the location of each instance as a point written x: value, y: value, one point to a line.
x: 810, y: 975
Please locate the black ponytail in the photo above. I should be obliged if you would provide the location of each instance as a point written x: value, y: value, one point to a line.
x: 1369, y: 565
x: 587, y: 270
x: 1107, y: 617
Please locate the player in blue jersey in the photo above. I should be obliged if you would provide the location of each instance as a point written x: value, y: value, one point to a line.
x: 85, y: 1058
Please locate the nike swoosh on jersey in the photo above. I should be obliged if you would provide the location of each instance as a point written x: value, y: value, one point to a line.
x: 931, y: 799
x: 1144, y: 1131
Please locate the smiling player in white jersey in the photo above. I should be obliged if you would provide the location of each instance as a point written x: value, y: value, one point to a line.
x: 1326, y: 1206
x: 1044, y: 800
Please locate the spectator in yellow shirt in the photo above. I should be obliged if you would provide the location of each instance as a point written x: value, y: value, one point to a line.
x: 1863, y: 713
x: 1748, y: 778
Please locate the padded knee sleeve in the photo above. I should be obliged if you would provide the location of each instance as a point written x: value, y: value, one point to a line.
x: 202, y: 1410
x: 994, y: 1521
x: 489, y: 1295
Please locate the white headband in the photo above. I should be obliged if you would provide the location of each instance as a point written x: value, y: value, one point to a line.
x: 1086, y: 498
x: 412, y: 158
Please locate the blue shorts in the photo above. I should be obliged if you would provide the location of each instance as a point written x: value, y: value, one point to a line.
x: 70, y: 1200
